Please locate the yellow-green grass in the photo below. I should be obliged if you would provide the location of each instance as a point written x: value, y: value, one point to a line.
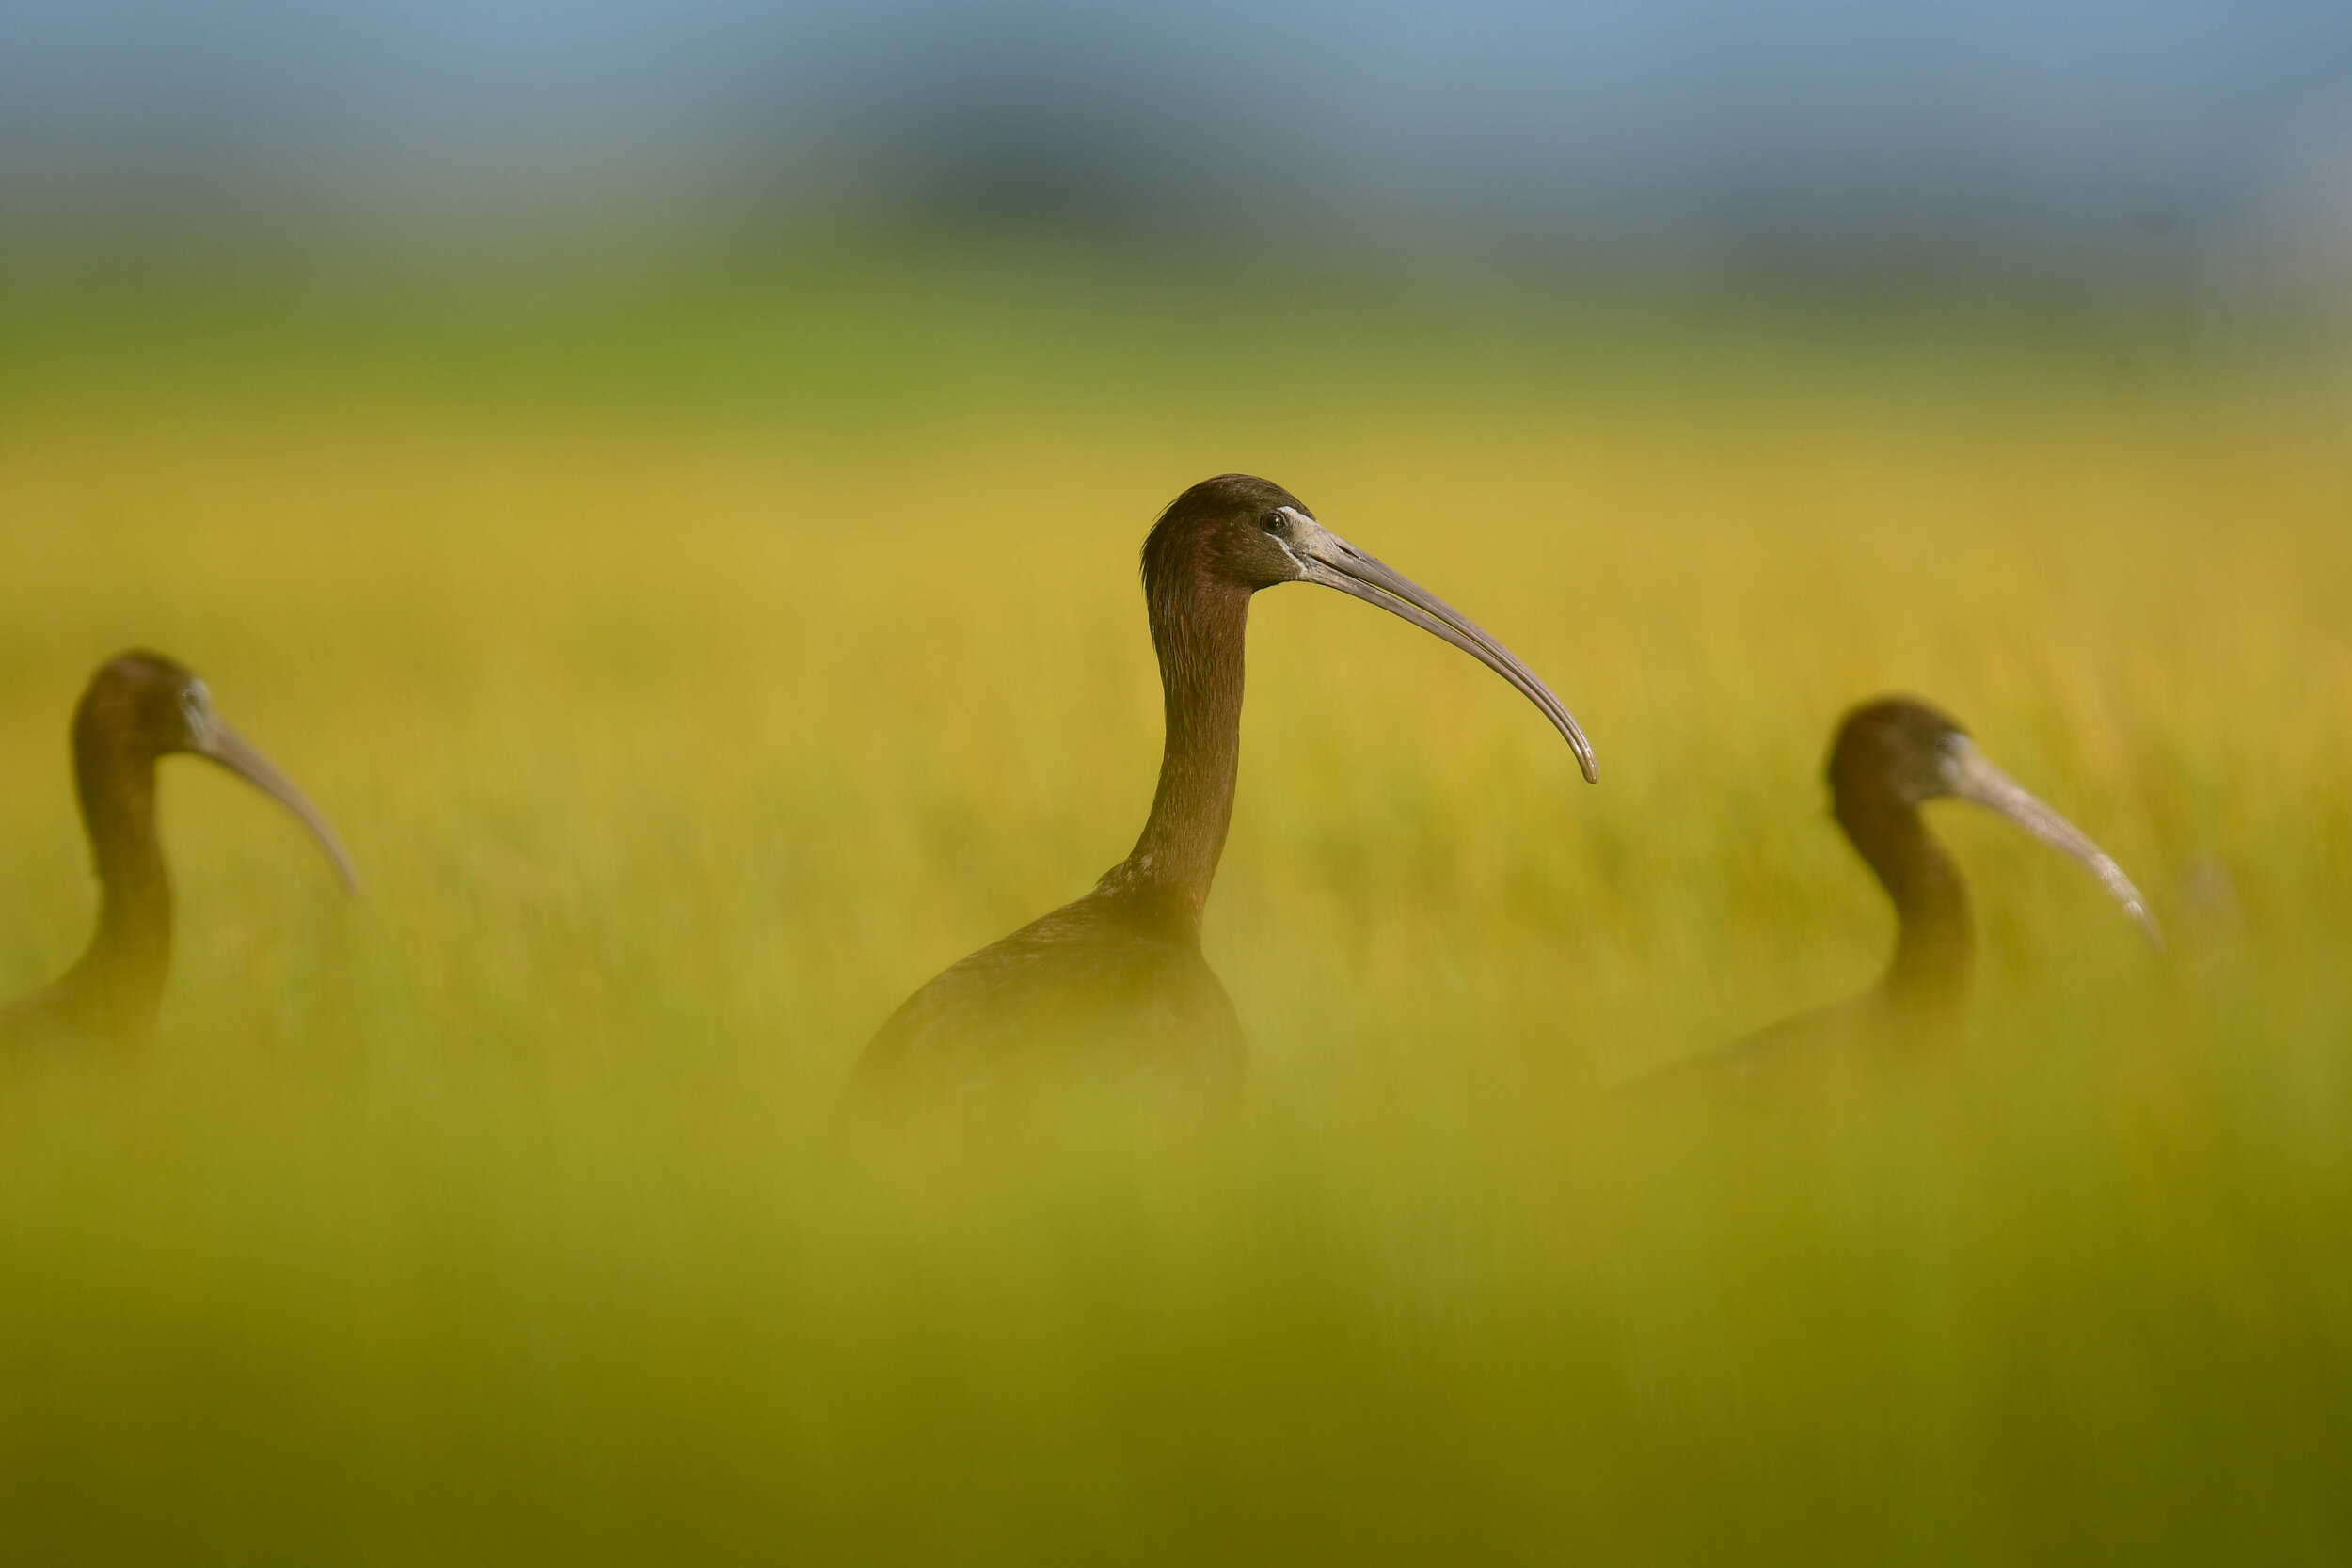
x: 691, y: 689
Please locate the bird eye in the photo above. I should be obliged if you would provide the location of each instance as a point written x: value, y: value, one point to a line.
x: 1274, y: 522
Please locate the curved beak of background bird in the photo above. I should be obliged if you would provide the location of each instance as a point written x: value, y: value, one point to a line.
x: 1334, y: 562
x: 1976, y: 779
x: 236, y: 753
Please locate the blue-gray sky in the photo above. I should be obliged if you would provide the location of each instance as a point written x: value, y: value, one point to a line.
x: 1681, y: 130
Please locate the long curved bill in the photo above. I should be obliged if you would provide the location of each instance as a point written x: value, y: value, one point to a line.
x: 1976, y: 779
x: 230, y: 750
x: 1331, y: 561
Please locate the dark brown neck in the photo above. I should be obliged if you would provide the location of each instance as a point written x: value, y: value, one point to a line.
x: 123, y: 968
x: 1199, y: 625
x: 1935, y: 938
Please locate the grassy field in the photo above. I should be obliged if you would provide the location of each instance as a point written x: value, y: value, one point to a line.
x: 695, y: 672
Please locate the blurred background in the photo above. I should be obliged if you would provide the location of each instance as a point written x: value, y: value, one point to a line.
x: 665, y: 478
x: 2173, y: 145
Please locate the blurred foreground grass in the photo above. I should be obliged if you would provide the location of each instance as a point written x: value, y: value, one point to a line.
x: 693, y: 677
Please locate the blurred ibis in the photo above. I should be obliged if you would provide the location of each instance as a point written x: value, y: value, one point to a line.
x: 139, y: 707
x: 1890, y: 757
x: 1113, y: 987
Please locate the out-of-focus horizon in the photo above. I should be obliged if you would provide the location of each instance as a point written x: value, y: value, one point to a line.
x: 2190, y: 144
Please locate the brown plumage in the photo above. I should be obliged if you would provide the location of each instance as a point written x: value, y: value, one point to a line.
x: 138, y: 708
x: 1891, y: 757
x: 1113, y: 986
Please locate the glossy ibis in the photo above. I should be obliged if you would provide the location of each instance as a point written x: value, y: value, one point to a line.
x: 139, y: 707
x: 1113, y: 987
x: 1890, y: 757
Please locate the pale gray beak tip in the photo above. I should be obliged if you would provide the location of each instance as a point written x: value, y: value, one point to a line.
x: 225, y: 746
x: 1333, y: 563
x: 1977, y: 779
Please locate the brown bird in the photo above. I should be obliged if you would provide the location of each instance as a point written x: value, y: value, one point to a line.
x: 139, y: 707
x: 1891, y: 757
x: 1113, y: 986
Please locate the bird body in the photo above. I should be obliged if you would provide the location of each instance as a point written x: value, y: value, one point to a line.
x: 138, y: 708
x: 1114, y: 984
x: 1890, y: 757
x: 1110, y: 989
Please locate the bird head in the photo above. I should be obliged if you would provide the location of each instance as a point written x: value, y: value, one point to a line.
x: 1898, y: 746
x: 1249, y: 534
x: 1902, y: 749
x: 144, y: 705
